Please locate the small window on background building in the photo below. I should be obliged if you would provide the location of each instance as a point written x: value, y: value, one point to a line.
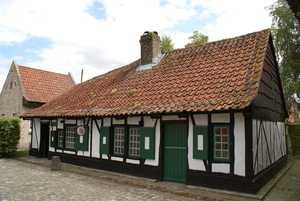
x: 2, y: 115
x: 14, y: 114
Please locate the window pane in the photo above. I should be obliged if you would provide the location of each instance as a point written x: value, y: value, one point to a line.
x: 224, y: 131
x: 134, y: 144
x: 218, y: 146
x: 225, y: 146
x: 224, y: 138
x: 119, y: 141
x: 224, y: 154
x: 217, y: 131
x: 218, y: 154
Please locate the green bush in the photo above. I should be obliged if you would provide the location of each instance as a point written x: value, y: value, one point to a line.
x: 9, y: 135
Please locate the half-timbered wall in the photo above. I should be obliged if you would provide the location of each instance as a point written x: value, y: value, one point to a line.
x: 194, y: 164
x: 268, y: 140
x: 94, y: 126
x: 268, y: 143
x: 268, y: 148
x: 239, y: 143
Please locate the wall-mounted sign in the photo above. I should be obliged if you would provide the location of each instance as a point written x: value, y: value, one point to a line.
x: 80, y: 130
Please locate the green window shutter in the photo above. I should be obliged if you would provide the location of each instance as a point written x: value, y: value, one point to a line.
x: 82, y: 138
x: 200, y: 142
x: 104, y: 140
x: 147, y: 143
x: 53, y: 139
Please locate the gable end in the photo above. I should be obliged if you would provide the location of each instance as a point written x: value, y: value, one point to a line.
x: 269, y: 103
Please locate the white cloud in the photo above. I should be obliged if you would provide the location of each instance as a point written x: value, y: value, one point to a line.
x: 82, y: 41
x: 3, y: 70
x: 235, y: 17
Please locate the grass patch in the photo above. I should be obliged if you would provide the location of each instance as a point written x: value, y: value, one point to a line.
x: 18, y: 154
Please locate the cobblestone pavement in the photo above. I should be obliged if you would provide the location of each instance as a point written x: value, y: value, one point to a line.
x: 24, y: 181
x: 30, y: 178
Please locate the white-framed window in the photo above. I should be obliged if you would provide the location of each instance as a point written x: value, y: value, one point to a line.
x: 221, y: 143
x: 119, y: 136
x: 60, y: 138
x: 70, y: 137
x: 134, y: 142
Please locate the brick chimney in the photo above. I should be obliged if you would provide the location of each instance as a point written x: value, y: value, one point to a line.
x: 150, y: 47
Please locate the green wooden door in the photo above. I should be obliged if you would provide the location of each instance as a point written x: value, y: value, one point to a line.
x: 174, y: 152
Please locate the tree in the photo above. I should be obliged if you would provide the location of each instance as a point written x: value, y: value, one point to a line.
x: 166, y: 43
x: 197, y: 38
x: 286, y: 34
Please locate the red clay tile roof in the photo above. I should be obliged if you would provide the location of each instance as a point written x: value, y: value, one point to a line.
x: 42, y: 86
x: 219, y: 75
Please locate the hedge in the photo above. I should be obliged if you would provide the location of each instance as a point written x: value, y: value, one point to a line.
x: 9, y: 135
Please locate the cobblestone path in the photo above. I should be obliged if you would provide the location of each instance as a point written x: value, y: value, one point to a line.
x: 24, y: 181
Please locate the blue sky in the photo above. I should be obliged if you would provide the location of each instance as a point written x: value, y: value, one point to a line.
x: 100, y: 35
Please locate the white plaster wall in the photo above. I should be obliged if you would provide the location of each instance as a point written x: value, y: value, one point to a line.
x: 95, y: 139
x: 148, y: 122
x: 106, y: 122
x: 157, y: 141
x: 201, y: 119
x: 220, y: 167
x: 52, y: 128
x: 133, y: 120
x: 113, y: 158
x: 172, y: 117
x: 36, y: 132
x: 117, y: 121
x: 239, y: 145
x: 69, y: 152
x: 195, y: 164
x: 220, y: 118
x: 132, y: 161
x: 52, y: 149
x: 70, y: 121
x: 60, y: 125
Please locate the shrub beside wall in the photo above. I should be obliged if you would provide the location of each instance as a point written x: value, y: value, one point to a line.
x: 9, y: 135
